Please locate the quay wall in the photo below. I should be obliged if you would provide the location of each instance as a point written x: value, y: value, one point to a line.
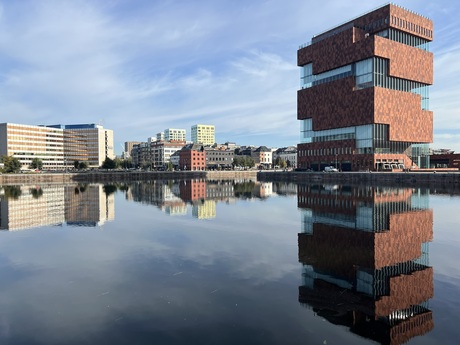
x: 123, y: 176
x: 449, y: 180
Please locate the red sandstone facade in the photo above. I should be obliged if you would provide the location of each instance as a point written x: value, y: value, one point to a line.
x: 395, y: 37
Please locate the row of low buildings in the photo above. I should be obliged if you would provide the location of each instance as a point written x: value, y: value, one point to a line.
x: 201, y: 153
x: 158, y: 154
x: 57, y: 146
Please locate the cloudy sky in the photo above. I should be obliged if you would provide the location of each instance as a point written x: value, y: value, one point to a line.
x: 140, y: 66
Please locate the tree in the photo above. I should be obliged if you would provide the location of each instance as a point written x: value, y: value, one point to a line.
x: 36, y: 164
x: 169, y: 166
x: 13, y: 192
x: 126, y: 163
x: 118, y: 162
x: 76, y: 164
x: 243, y: 161
x: 11, y: 164
x: 108, y: 164
x: 36, y: 192
x: 83, y: 165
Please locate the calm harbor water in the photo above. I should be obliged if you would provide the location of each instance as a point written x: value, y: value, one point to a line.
x: 228, y: 262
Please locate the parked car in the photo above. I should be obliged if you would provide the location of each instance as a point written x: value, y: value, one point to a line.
x: 331, y: 169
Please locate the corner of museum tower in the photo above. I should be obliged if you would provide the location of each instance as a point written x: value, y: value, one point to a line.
x: 363, y: 101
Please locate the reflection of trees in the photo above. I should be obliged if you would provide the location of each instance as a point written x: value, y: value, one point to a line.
x: 13, y: 192
x: 81, y: 188
x: 36, y: 192
x: 244, y: 189
x: 109, y: 189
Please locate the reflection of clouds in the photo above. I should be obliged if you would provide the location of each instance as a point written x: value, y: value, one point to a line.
x: 145, y: 265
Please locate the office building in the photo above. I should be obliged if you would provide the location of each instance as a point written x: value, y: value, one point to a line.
x: 57, y: 146
x: 28, y: 142
x: 99, y: 142
x: 203, y: 134
x: 363, y: 102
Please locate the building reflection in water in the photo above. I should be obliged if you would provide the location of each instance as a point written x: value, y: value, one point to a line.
x: 23, y: 207
x: 173, y: 196
x: 365, y: 259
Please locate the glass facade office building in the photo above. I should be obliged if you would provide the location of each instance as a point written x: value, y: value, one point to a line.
x: 363, y: 102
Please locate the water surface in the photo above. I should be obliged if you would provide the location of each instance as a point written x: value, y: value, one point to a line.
x: 175, y: 262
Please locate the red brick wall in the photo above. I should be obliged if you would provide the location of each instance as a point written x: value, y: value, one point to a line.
x: 404, y: 239
x: 406, y: 290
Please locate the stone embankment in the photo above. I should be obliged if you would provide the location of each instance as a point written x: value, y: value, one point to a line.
x: 124, y: 176
x: 397, y: 179
x: 406, y: 179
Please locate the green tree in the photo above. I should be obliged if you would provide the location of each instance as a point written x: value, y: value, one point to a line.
x: 108, y: 164
x: 36, y: 164
x: 169, y: 166
x: 126, y: 163
x: 109, y: 189
x: 83, y: 165
x: 11, y: 164
x: 36, y: 192
x: 118, y: 162
x: 13, y: 192
x: 248, y: 161
x: 76, y: 164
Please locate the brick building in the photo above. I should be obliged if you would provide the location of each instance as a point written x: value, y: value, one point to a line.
x: 363, y: 102
x: 192, y: 157
x: 365, y: 256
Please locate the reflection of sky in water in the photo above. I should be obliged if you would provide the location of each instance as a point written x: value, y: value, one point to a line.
x: 147, y: 277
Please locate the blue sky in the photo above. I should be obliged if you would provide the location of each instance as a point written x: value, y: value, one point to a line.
x: 138, y: 67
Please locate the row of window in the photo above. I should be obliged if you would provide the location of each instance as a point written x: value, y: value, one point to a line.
x: 331, y: 151
x: 405, y: 24
x: 370, y: 72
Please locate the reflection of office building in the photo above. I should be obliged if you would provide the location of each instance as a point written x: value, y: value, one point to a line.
x: 365, y: 257
x: 23, y: 207
x: 88, y: 205
x: 363, y: 102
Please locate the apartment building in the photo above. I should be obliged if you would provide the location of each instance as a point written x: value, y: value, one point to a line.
x: 162, y: 151
x: 203, y: 134
x: 363, y: 101
x: 174, y: 134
